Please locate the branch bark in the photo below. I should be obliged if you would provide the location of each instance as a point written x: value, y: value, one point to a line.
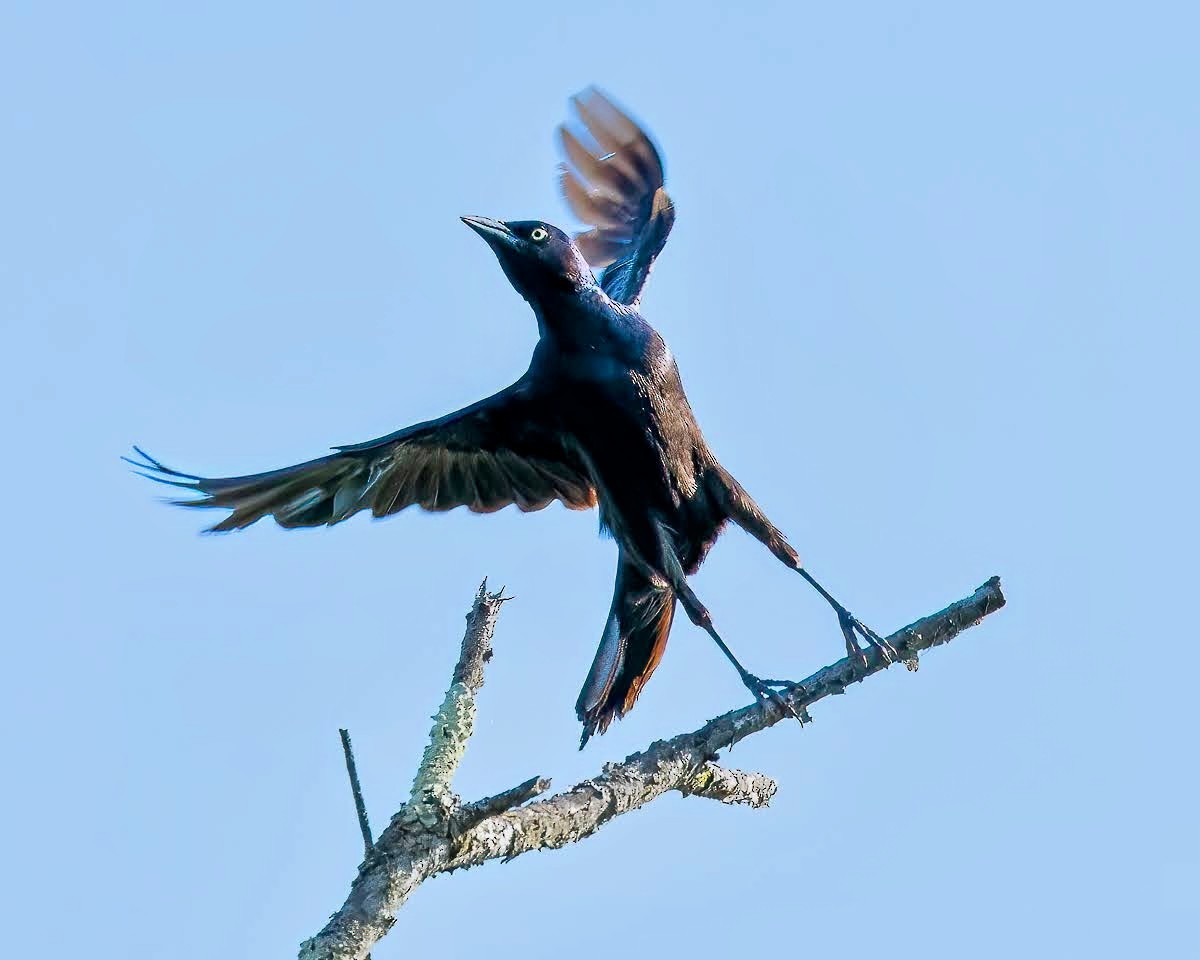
x: 431, y: 836
x: 431, y: 797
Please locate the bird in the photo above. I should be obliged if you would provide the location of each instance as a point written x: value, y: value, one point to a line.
x: 599, y: 420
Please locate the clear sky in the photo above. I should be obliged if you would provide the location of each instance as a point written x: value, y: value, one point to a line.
x: 932, y: 288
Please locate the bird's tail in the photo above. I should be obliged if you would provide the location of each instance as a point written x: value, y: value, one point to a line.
x: 634, y: 639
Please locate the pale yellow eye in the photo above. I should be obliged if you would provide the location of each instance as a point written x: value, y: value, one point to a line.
x: 537, y: 235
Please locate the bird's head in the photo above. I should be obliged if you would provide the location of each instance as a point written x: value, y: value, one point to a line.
x: 538, y: 259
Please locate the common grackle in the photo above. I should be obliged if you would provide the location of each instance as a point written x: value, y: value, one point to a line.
x: 600, y: 418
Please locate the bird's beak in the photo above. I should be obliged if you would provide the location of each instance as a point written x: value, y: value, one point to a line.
x: 493, y: 231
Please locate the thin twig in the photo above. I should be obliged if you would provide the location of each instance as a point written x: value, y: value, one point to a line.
x: 356, y: 788
x: 473, y: 813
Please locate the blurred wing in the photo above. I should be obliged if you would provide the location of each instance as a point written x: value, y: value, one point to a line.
x: 615, y: 184
x: 500, y: 451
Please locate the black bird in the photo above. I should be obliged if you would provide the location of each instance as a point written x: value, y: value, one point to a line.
x: 600, y: 418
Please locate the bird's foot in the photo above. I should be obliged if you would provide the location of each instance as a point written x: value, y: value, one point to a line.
x: 769, y: 690
x: 853, y: 628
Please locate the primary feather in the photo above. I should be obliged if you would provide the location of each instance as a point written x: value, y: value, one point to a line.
x: 617, y: 188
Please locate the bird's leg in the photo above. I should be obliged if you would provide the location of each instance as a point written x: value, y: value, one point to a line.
x: 699, y: 615
x: 762, y: 689
x: 759, y: 687
x: 852, y: 627
x: 746, y: 513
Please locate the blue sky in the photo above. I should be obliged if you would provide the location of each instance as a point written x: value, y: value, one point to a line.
x: 933, y: 292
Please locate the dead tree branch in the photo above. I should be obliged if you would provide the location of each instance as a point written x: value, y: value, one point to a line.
x: 435, y: 833
x: 432, y: 799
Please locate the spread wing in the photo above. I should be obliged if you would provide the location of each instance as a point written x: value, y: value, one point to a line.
x: 500, y: 451
x: 615, y: 184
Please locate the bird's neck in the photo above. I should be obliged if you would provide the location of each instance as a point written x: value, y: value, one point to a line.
x: 570, y: 314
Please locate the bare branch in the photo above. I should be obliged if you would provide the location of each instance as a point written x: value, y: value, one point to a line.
x: 454, y: 722
x: 583, y: 809
x: 410, y: 850
x: 356, y: 789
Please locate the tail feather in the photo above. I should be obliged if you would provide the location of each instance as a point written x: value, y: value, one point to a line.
x: 631, y: 647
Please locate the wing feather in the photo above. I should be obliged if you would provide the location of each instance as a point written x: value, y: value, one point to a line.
x: 617, y: 188
x: 504, y: 450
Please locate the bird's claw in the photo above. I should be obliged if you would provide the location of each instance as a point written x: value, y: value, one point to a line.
x: 852, y: 628
x: 768, y: 690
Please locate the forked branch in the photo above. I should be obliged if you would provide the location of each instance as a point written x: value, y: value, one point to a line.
x: 435, y: 832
